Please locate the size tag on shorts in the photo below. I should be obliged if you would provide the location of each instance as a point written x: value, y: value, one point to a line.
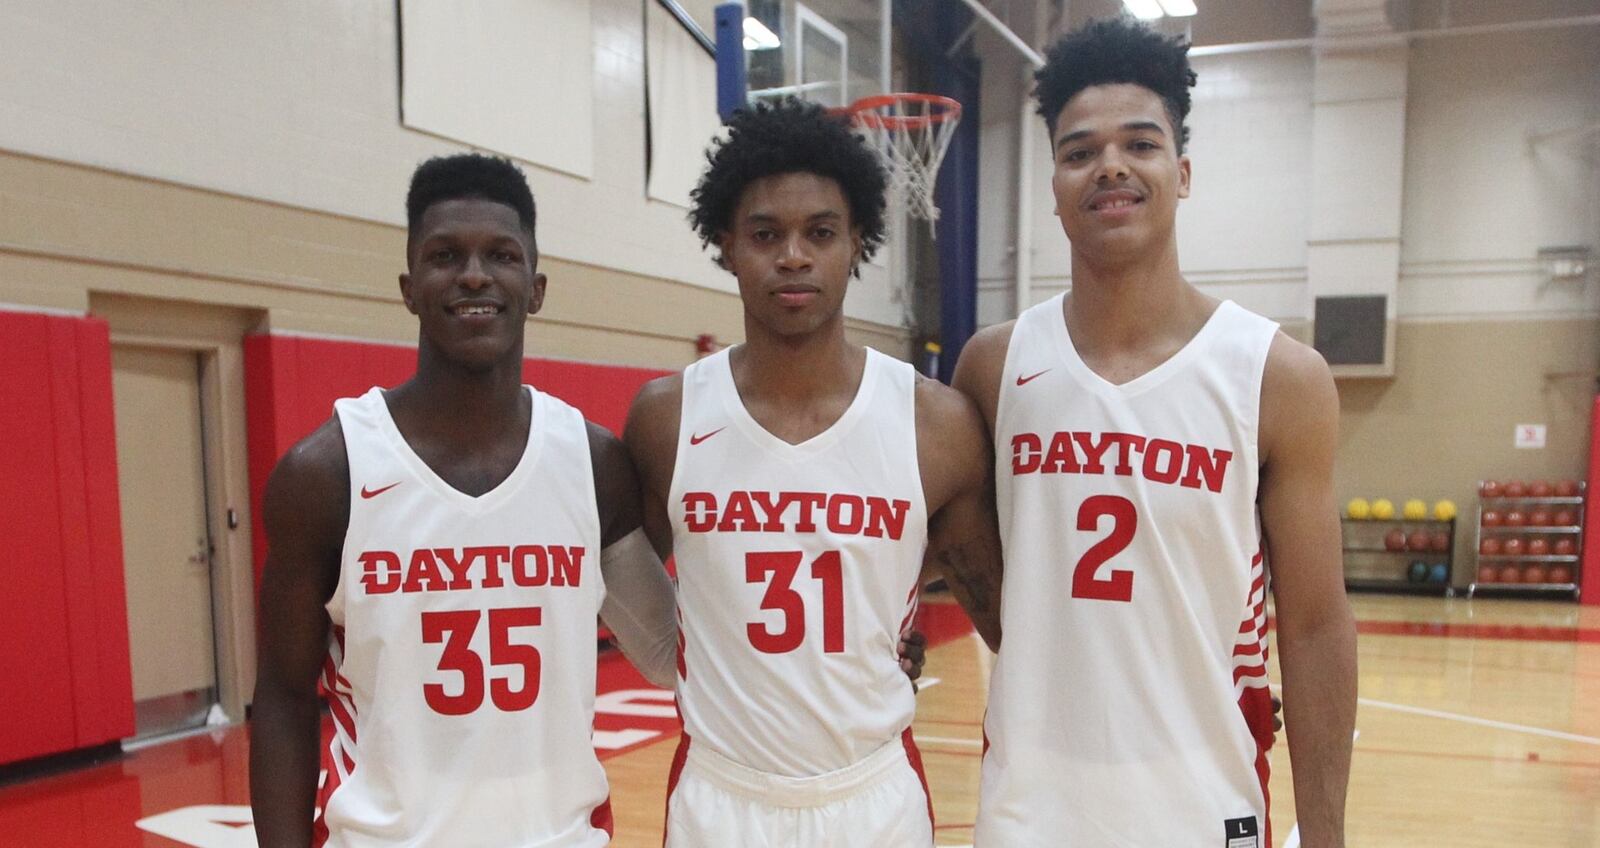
x: 1241, y: 833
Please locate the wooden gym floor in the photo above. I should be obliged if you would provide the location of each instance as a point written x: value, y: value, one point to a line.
x: 1479, y: 726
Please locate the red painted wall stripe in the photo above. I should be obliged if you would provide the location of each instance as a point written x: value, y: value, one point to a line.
x: 291, y: 383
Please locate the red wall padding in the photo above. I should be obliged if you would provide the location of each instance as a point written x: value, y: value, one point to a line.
x: 65, y: 679
x: 1589, y: 568
x: 291, y: 383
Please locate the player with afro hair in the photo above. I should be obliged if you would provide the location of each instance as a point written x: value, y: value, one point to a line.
x: 789, y: 136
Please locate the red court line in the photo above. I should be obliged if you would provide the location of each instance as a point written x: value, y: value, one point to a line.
x: 1477, y: 664
x: 1520, y: 632
x: 1516, y: 632
x: 1530, y: 760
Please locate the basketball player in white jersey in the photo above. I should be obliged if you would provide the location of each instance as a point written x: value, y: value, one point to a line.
x: 798, y: 479
x: 438, y: 554
x: 1153, y: 446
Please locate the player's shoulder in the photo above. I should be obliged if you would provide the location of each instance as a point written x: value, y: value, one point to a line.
x: 314, y: 462
x: 661, y: 395
x: 949, y: 424
x: 607, y: 453
x: 1299, y: 402
x: 940, y: 407
x: 308, y: 492
x: 991, y: 342
x: 984, y: 357
x: 602, y: 442
x: 651, y: 433
x: 1294, y: 370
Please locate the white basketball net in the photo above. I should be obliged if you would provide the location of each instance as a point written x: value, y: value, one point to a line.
x: 912, y: 133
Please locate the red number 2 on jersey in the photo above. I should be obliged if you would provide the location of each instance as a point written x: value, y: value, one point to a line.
x: 455, y: 628
x: 781, y: 596
x: 1118, y: 584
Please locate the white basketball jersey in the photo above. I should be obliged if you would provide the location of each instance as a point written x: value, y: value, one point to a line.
x: 461, y: 667
x: 1129, y: 705
x: 797, y: 572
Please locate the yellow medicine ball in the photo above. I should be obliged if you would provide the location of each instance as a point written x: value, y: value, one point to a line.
x: 1444, y: 510
x: 1414, y: 510
x: 1358, y: 508
x: 1383, y: 509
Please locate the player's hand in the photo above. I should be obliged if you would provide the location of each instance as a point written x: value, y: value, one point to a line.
x: 1277, y: 713
x: 913, y: 651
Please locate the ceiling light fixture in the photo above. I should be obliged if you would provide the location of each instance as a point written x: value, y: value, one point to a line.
x: 1149, y: 10
x: 758, y: 37
x: 1145, y: 10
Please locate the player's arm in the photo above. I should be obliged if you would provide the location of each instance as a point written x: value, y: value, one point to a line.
x: 978, y: 371
x: 306, y: 510
x: 640, y: 605
x: 651, y: 436
x: 956, y: 459
x: 1316, y: 632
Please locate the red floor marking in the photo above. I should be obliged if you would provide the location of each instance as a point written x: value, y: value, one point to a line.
x: 1521, y: 632
x: 1476, y: 664
x: 99, y: 805
x: 1531, y: 759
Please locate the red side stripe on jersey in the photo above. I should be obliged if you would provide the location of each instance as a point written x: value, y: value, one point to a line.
x: 319, y: 825
x: 673, y: 774
x: 336, y: 698
x: 1255, y: 704
x: 1249, y: 671
x: 911, y: 610
x: 914, y: 757
x: 1263, y: 772
x: 601, y: 817
x: 683, y: 669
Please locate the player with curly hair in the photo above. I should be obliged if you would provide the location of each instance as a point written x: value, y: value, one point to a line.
x: 1155, y: 448
x: 806, y: 486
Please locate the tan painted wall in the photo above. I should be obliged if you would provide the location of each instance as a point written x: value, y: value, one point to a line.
x: 1445, y: 420
x: 68, y: 230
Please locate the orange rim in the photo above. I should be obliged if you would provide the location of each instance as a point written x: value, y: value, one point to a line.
x: 940, y: 110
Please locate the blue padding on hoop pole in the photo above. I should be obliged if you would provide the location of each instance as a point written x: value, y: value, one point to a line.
x: 956, y: 194
x: 731, y: 88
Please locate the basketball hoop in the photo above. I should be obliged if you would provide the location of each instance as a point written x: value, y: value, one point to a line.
x: 912, y: 133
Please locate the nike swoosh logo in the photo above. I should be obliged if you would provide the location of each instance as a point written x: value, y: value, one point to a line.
x: 695, y: 440
x: 1023, y: 381
x: 372, y: 493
